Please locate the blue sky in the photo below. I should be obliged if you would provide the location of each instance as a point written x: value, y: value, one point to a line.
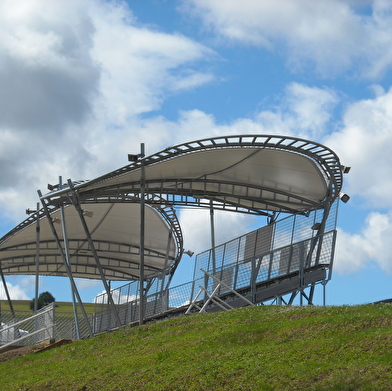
x: 83, y: 83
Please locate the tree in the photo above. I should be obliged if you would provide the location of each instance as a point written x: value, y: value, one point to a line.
x: 44, y: 299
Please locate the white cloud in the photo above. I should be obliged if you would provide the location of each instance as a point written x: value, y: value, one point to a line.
x: 331, y: 35
x: 118, y: 298
x: 304, y: 112
x: 16, y: 292
x: 138, y: 63
x: 196, y: 226
x: 75, y: 75
x: 85, y: 283
x: 46, y: 72
x: 372, y: 243
x: 364, y: 142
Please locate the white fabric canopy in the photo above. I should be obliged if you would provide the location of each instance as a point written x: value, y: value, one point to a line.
x: 246, y: 173
x: 115, y: 230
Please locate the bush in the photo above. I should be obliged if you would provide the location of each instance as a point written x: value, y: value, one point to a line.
x: 44, y: 299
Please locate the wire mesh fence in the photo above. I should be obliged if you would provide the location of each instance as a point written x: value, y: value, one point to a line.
x: 294, y: 232
x: 19, y: 329
x: 278, y: 249
x: 69, y: 327
x: 22, y: 328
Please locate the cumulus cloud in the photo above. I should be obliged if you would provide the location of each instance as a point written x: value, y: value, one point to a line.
x: 331, y: 35
x: 46, y: 72
x: 84, y: 283
x: 75, y: 76
x: 364, y: 142
x: 138, y: 63
x: 16, y: 292
x: 372, y: 243
x: 196, y: 226
x: 118, y: 298
x: 303, y: 111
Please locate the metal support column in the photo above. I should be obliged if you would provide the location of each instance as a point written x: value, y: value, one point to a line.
x: 142, y: 227
x: 163, y: 287
x: 68, y: 260
x: 7, y: 293
x: 77, y: 206
x: 37, y: 261
x: 212, y: 237
x: 37, y: 244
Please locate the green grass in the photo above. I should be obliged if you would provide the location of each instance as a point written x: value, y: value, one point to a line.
x: 24, y: 305
x: 259, y: 348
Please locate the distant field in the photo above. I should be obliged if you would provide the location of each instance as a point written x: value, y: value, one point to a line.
x: 61, y: 306
x: 280, y: 348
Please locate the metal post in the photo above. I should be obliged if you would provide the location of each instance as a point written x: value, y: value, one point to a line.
x: 68, y: 260
x: 301, y: 279
x: 212, y: 237
x: 7, y: 292
x: 142, y: 227
x: 53, y: 330
x: 37, y: 261
x: 255, y: 269
x: 163, y: 287
x: 77, y: 206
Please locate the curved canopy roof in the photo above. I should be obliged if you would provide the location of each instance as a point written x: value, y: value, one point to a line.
x: 253, y: 173
x: 258, y: 174
x: 115, y: 230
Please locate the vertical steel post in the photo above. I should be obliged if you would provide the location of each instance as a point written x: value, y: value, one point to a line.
x: 163, y: 287
x: 37, y: 244
x: 53, y: 313
x: 212, y: 237
x: 37, y: 261
x: 68, y: 260
x: 76, y: 204
x: 142, y: 228
x: 254, y: 271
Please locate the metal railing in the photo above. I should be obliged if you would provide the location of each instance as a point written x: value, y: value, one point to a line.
x: 22, y: 328
x: 290, y: 247
x: 28, y: 331
x: 251, y: 275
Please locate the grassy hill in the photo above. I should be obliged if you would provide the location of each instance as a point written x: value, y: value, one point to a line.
x: 61, y: 306
x: 258, y: 348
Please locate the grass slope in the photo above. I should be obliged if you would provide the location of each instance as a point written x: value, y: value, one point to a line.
x: 24, y: 305
x: 257, y: 348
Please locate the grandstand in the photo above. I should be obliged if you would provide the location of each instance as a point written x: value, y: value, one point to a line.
x: 123, y: 226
